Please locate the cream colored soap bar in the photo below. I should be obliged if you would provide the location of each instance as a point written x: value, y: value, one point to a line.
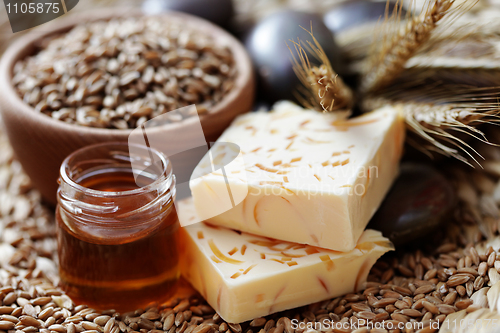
x: 310, y: 178
x: 244, y: 276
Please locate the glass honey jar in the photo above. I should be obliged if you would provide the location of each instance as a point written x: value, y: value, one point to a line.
x: 116, y: 227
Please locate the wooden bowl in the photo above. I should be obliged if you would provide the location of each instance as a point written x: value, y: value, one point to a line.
x: 41, y: 143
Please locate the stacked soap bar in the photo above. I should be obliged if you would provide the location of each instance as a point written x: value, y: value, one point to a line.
x: 311, y: 178
x: 309, y: 183
x: 243, y: 276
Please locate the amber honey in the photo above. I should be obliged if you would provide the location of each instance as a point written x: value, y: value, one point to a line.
x: 116, y: 237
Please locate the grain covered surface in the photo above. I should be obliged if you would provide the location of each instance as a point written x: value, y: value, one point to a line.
x: 423, y: 285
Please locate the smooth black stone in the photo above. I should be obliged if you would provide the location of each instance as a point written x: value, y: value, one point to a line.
x: 419, y: 201
x: 267, y: 45
x: 219, y: 12
x: 356, y: 12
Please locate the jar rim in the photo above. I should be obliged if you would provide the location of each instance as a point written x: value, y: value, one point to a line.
x: 166, y: 171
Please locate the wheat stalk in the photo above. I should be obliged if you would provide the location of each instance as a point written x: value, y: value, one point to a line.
x: 462, y: 48
x: 467, y: 43
x: 399, y: 45
x: 477, y: 77
x: 322, y: 89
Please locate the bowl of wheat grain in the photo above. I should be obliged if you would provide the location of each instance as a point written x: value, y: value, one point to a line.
x: 95, y: 77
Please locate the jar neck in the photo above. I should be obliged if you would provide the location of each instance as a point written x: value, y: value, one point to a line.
x: 99, y: 186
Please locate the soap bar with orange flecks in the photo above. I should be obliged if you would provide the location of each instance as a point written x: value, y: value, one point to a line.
x: 243, y: 276
x: 310, y: 177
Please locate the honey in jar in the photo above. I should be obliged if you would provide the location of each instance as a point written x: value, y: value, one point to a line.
x: 116, y: 227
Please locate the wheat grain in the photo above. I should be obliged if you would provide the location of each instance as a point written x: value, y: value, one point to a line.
x: 399, y: 298
x: 129, y: 78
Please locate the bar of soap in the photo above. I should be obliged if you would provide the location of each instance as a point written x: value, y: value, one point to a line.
x: 243, y: 276
x: 311, y: 178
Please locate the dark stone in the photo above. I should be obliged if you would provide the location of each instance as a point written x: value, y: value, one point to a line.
x: 419, y: 201
x: 219, y: 12
x: 267, y: 45
x: 356, y: 12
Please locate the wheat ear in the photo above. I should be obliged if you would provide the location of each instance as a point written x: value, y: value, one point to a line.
x: 439, y: 124
x: 322, y: 89
x: 399, y: 45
